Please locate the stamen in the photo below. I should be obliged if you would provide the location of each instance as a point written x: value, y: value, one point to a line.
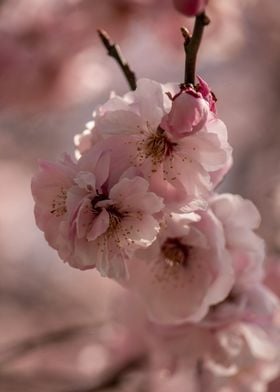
x: 155, y: 146
x: 175, y: 253
x: 59, y: 203
x: 115, y: 218
x: 95, y: 200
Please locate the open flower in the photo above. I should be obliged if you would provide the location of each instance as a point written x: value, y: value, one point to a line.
x: 174, y: 142
x: 49, y: 188
x: 90, y: 223
x: 186, y: 270
x: 252, y: 360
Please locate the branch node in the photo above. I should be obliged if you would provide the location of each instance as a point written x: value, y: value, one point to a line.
x: 186, y: 35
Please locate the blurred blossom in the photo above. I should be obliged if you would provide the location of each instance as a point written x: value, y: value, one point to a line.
x: 252, y: 361
x: 93, y: 359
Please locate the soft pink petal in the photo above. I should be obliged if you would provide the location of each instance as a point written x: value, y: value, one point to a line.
x: 206, y: 149
x: 141, y: 231
x: 236, y: 211
x: 118, y: 122
x: 150, y: 101
x: 132, y: 194
x: 99, y: 225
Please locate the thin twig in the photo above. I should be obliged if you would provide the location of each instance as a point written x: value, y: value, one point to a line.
x: 191, y: 46
x: 114, y: 51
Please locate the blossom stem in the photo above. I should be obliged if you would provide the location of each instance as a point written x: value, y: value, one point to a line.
x: 114, y: 51
x: 191, y: 46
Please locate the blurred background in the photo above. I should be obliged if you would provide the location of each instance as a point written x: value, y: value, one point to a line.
x: 53, y: 72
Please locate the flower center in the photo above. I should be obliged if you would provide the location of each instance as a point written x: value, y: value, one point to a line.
x: 95, y: 200
x: 115, y: 218
x: 59, y: 203
x: 157, y: 146
x: 175, y: 253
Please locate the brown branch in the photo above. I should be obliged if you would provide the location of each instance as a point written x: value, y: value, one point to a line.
x: 191, y: 45
x: 114, y: 51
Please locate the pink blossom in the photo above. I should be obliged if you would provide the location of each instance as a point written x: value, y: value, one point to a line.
x: 169, y: 347
x: 203, y: 88
x: 89, y: 223
x: 186, y: 270
x: 174, y: 143
x: 255, y: 304
x: 190, y: 7
x: 181, y: 122
x: 252, y: 360
x: 49, y: 188
x: 239, y: 218
x: 243, y: 355
x: 218, y: 175
x: 188, y: 114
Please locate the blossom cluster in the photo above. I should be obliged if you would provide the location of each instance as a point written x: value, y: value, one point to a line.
x: 139, y: 204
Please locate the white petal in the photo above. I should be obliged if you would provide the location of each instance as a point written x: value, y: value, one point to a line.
x: 119, y: 122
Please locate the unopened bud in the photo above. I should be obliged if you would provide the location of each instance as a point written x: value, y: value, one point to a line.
x: 190, y: 7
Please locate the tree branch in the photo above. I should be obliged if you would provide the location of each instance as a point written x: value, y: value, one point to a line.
x: 191, y: 45
x: 114, y: 51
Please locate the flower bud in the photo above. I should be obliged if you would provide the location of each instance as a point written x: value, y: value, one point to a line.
x: 190, y: 7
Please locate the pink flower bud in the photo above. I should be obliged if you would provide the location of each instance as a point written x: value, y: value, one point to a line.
x: 190, y: 7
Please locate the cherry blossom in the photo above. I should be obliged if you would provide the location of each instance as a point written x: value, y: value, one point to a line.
x: 172, y: 138
x: 188, y: 114
x: 139, y: 204
x: 49, y: 188
x: 89, y: 224
x: 252, y: 360
x: 186, y: 270
x: 203, y: 88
